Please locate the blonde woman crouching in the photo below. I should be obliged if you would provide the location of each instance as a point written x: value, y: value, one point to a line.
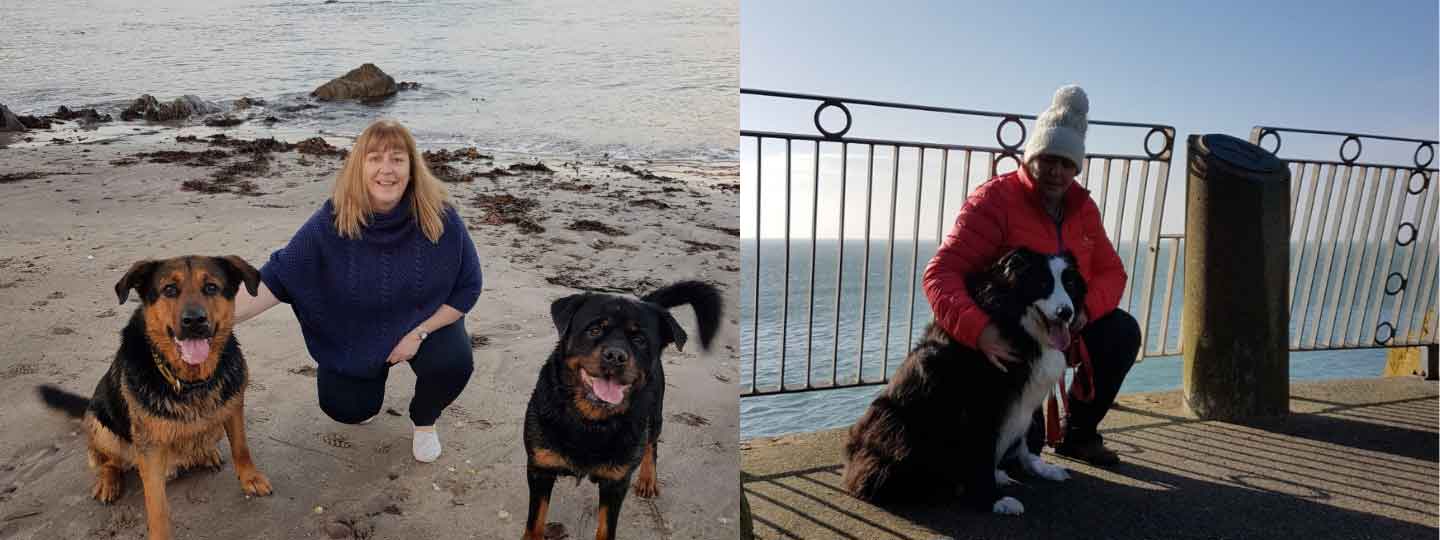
x: 382, y: 273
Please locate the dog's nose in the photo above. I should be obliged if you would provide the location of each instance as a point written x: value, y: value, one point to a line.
x: 613, y: 358
x: 1064, y: 313
x: 193, y: 317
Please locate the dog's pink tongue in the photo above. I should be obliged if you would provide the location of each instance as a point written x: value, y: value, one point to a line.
x: 194, y: 351
x: 1060, y: 336
x: 608, y: 390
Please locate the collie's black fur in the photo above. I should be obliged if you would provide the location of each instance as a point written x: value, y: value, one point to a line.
x: 939, y: 423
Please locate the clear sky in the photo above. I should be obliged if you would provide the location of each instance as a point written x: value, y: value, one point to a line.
x: 1202, y: 67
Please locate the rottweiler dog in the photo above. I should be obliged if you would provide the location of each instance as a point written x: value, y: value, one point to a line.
x: 596, y: 408
x: 175, y: 386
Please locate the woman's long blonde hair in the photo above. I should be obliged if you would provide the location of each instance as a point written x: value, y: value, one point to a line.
x: 352, y: 200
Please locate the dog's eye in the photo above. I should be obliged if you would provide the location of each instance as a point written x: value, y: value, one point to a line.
x: 638, y: 339
x: 171, y: 291
x: 595, y: 331
x: 211, y: 288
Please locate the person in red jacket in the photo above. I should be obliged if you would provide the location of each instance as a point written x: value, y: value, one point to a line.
x: 1041, y: 207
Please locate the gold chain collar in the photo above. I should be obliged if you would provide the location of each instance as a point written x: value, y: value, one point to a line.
x: 164, y: 368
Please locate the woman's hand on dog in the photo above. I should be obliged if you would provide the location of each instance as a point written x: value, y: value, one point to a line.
x: 995, y: 348
x: 405, y: 350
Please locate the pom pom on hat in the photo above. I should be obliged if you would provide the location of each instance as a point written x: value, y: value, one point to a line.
x: 1060, y: 130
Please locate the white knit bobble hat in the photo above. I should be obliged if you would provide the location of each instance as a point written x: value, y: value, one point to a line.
x: 1060, y: 130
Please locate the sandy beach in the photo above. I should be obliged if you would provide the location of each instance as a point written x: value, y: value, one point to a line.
x: 74, y: 216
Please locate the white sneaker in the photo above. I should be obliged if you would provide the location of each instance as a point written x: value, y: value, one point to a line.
x: 425, y: 444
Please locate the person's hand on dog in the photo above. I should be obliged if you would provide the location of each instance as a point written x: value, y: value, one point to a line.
x: 405, y: 350
x: 996, y: 348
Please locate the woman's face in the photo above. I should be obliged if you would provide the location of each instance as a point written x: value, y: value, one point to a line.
x: 387, y: 173
x: 1053, y: 175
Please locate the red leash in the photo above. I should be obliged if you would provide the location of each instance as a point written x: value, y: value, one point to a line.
x: 1078, y: 357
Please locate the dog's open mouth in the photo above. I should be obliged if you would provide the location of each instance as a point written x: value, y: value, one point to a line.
x: 193, y: 349
x: 1059, y: 334
x: 1057, y: 330
x: 608, y: 390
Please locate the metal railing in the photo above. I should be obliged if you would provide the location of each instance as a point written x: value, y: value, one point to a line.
x: 1367, y: 241
x: 1129, y: 188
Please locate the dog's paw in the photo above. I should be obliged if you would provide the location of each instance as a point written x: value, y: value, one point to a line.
x: 1004, y: 480
x: 107, y: 490
x: 1039, y: 468
x: 255, y: 483
x: 647, y: 488
x: 211, y: 459
x: 1008, y: 506
x: 1053, y: 473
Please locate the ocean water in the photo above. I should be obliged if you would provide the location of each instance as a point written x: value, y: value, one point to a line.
x: 630, y: 79
x: 882, y: 353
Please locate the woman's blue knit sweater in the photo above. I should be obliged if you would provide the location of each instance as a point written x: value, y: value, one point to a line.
x: 355, y: 299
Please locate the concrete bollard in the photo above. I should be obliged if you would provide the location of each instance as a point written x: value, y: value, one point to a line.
x: 1235, y: 323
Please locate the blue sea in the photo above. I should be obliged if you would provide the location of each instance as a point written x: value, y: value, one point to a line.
x: 813, y: 327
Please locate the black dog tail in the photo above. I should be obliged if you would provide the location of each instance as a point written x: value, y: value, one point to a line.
x: 704, y: 297
x: 72, y: 404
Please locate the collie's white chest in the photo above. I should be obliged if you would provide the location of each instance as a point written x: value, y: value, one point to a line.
x: 1043, y: 376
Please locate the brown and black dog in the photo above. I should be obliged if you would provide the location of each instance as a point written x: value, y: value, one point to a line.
x: 176, y: 385
x: 596, y: 408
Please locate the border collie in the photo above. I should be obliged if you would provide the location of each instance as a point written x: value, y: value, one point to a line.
x: 948, y: 417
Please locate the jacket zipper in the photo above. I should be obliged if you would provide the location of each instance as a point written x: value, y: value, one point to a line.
x: 1059, y: 234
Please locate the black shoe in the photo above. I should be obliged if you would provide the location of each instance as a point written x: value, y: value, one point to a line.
x: 1092, y: 451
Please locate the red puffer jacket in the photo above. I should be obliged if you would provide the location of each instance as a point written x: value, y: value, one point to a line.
x: 1005, y: 213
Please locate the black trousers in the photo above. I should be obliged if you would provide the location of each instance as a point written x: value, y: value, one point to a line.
x: 1113, y: 342
x: 442, y: 367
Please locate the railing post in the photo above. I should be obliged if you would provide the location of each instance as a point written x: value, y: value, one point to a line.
x: 1234, y: 327
x: 1432, y: 362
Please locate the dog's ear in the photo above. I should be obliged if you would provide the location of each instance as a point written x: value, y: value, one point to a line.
x: 238, y: 271
x: 1013, y: 265
x: 563, y: 310
x: 138, y: 278
x: 670, y: 331
x: 994, y: 287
